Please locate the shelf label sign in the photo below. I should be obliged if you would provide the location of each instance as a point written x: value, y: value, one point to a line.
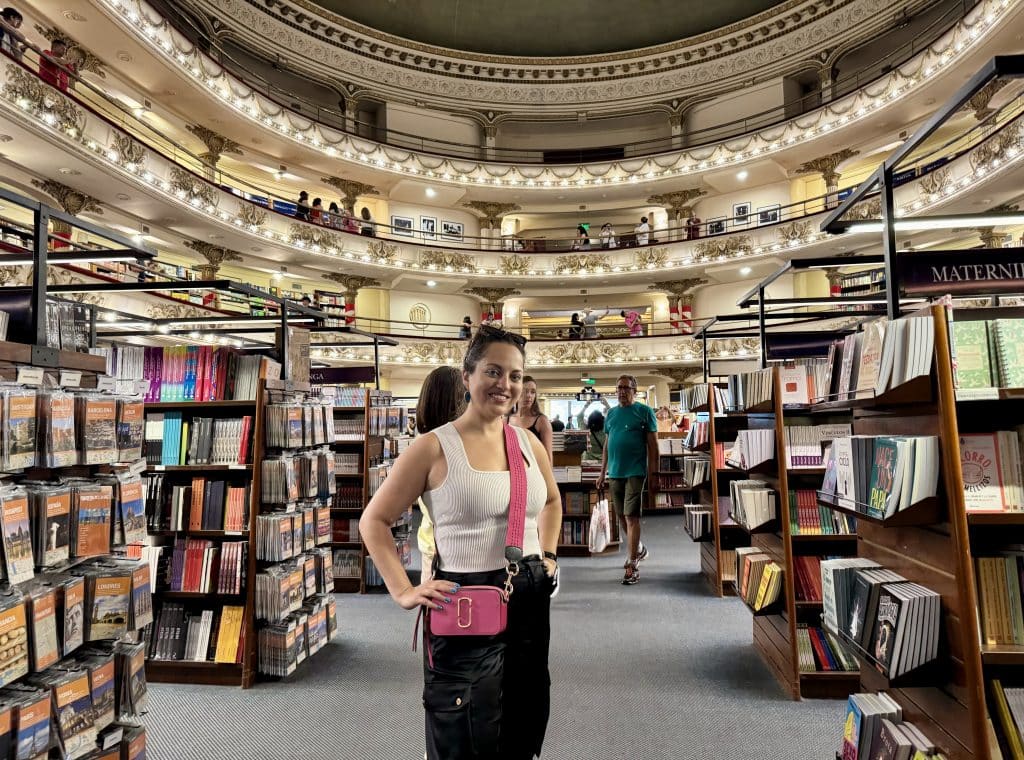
x: 30, y: 375
x: 332, y: 375
x: 971, y: 272
x: 70, y: 378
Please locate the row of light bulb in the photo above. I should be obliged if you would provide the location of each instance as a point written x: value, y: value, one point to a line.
x: 159, y: 36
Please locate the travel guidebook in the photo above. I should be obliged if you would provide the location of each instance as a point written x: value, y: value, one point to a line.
x: 18, y: 560
x: 19, y: 434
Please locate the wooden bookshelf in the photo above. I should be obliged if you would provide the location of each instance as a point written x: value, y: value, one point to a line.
x: 726, y: 534
x: 242, y: 673
x: 932, y: 546
x: 588, y: 487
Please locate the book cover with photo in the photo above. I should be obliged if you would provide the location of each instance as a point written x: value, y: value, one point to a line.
x: 57, y: 412
x: 110, y: 599
x: 54, y: 527
x: 71, y: 608
x: 132, y: 511
x: 75, y: 718
x: 14, y: 522
x: 98, y: 436
x: 14, y: 647
x: 142, y: 596
x: 45, y: 647
x: 91, y: 521
x: 101, y: 685
x: 19, y: 429
x: 130, y: 429
x: 34, y: 724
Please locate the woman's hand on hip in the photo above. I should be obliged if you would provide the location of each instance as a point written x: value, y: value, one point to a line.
x: 431, y: 594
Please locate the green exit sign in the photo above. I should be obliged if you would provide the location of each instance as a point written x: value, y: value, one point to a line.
x: 589, y: 381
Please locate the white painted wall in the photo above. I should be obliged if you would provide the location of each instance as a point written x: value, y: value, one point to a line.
x: 713, y: 300
x: 738, y: 104
x: 432, y: 124
x: 470, y: 222
x: 722, y: 205
x: 586, y: 134
x: 445, y: 309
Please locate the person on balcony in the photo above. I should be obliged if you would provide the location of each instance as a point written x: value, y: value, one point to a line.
x: 367, y: 228
x: 333, y: 216
x: 54, y: 68
x: 643, y: 231
x: 582, y: 241
x: 348, y: 222
x: 607, y: 235
x: 316, y: 213
x: 466, y: 329
x: 302, y: 206
x: 575, y: 327
x: 590, y: 318
x: 634, y: 323
x: 11, y: 41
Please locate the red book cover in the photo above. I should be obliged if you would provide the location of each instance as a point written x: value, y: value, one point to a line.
x: 243, y: 448
x: 202, y: 360
x: 195, y: 515
x: 819, y: 651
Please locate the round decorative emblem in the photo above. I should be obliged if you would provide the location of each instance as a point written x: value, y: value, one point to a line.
x: 419, y: 315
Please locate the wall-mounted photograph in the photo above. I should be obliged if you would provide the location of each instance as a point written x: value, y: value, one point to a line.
x: 428, y: 227
x: 402, y: 225
x: 768, y: 214
x: 740, y: 214
x: 716, y: 225
x: 451, y: 230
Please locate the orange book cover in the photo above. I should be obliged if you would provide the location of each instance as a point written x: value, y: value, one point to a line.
x: 58, y: 518
x: 93, y: 520
x: 14, y: 631
x: 99, y: 441
x: 195, y: 515
x: 111, y: 600
x: 45, y: 649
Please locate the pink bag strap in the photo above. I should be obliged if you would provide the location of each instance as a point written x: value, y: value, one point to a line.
x: 517, y: 497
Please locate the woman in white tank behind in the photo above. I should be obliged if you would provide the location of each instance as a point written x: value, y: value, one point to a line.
x: 486, y: 698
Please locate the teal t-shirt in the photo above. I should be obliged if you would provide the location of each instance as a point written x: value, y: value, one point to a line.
x: 627, y: 428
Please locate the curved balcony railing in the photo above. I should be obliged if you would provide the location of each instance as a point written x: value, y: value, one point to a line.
x: 336, y: 119
x: 151, y: 30
x: 79, y: 121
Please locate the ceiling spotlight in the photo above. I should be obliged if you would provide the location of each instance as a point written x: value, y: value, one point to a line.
x: 745, y: 271
x: 431, y: 283
x: 431, y: 192
x: 742, y: 175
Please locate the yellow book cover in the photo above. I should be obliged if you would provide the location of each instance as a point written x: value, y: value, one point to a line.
x: 14, y: 641
x: 111, y: 605
x: 1006, y: 722
x: 230, y: 631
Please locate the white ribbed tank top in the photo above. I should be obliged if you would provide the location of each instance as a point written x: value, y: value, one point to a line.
x: 470, y: 508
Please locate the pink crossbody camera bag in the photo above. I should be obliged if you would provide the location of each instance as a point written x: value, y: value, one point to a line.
x: 483, y: 610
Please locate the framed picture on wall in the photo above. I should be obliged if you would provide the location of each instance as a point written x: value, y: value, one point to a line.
x: 428, y: 227
x: 402, y: 225
x: 768, y: 214
x: 716, y: 225
x: 740, y: 214
x: 451, y: 230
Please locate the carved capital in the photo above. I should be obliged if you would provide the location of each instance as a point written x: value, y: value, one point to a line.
x: 192, y: 189
x: 979, y: 102
x: 215, y: 256
x: 216, y: 144
x: 827, y: 165
x: 491, y: 295
x: 72, y: 201
x: 678, y: 202
x: 349, y: 190
x: 351, y: 284
x: 679, y: 288
x: 492, y: 212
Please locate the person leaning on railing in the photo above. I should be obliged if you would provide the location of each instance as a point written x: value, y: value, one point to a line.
x: 11, y: 41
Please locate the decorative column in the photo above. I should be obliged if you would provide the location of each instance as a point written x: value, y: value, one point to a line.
x: 215, y: 256
x: 989, y: 237
x: 490, y: 224
x: 77, y: 55
x: 490, y: 141
x: 825, y: 83
x: 680, y: 304
x: 835, y: 282
x: 492, y: 303
x: 675, y: 126
x: 826, y: 166
x: 350, y: 287
x: 72, y: 202
x: 216, y: 146
x: 350, y: 190
x: 679, y: 209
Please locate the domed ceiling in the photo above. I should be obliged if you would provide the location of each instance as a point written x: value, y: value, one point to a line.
x: 545, y: 28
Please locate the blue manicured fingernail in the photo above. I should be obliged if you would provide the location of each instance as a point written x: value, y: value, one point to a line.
x: 440, y: 606
x: 448, y: 599
x: 457, y: 587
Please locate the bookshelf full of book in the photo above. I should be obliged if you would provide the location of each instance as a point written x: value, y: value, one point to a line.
x: 369, y: 434
x: 203, y: 442
x: 776, y: 463
x: 75, y: 598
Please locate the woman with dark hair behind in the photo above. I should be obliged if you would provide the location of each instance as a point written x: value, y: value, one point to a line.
x: 575, y: 327
x: 596, y: 438
x: 442, y: 399
x: 528, y: 415
x: 486, y: 697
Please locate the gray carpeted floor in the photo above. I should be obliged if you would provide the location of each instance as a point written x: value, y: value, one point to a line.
x: 656, y: 671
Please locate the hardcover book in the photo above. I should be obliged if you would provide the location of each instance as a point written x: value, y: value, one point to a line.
x: 13, y: 631
x: 973, y: 363
x: 110, y: 601
x: 1009, y: 342
x: 883, y: 638
x: 19, y: 432
x: 870, y: 358
x: 981, y: 470
x: 14, y: 521
x: 883, y: 477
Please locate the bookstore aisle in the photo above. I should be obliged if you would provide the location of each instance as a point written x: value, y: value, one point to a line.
x: 655, y: 671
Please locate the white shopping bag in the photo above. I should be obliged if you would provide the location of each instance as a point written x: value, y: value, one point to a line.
x: 600, y: 527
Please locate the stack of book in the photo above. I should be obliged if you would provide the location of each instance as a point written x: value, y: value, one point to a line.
x: 989, y: 354
x: 1007, y: 710
x: 999, y: 598
x: 698, y: 520
x: 751, y: 448
x: 203, y: 373
x: 206, y: 567
x: 992, y: 470
x: 696, y: 471
x: 347, y: 563
x: 696, y: 437
x: 196, y: 504
x: 171, y: 440
x: 802, y: 380
x: 804, y: 443
x: 759, y: 578
x: 896, y: 623
x: 880, y: 475
x: 819, y: 650
x: 695, y: 397
x: 874, y: 728
x: 578, y: 502
x: 809, y: 518
x: 753, y: 504
x: 749, y: 389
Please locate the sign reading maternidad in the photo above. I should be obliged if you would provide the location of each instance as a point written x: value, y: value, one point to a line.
x: 977, y: 271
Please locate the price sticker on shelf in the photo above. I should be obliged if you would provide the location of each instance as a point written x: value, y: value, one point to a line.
x: 70, y: 378
x: 142, y: 387
x: 138, y: 468
x: 105, y: 383
x: 232, y: 533
x: 30, y: 375
x: 158, y: 468
x: 237, y: 466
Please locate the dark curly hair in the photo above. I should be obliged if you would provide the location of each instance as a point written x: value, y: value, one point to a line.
x: 485, y: 337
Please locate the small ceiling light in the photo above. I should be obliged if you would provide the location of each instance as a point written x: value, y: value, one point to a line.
x: 431, y: 192
x: 431, y: 283
x: 745, y: 271
x: 742, y: 175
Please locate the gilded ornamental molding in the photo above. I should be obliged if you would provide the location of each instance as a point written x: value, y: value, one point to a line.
x: 724, y: 247
x: 586, y: 352
x: 30, y: 94
x: 575, y: 263
x: 516, y: 264
x: 448, y: 261
x: 73, y: 201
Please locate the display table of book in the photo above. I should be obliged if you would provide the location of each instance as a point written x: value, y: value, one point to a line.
x: 75, y: 599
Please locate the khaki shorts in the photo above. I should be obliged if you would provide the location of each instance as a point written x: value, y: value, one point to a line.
x: 627, y: 495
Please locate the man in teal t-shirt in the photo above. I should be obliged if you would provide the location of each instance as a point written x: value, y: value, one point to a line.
x: 631, y: 450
